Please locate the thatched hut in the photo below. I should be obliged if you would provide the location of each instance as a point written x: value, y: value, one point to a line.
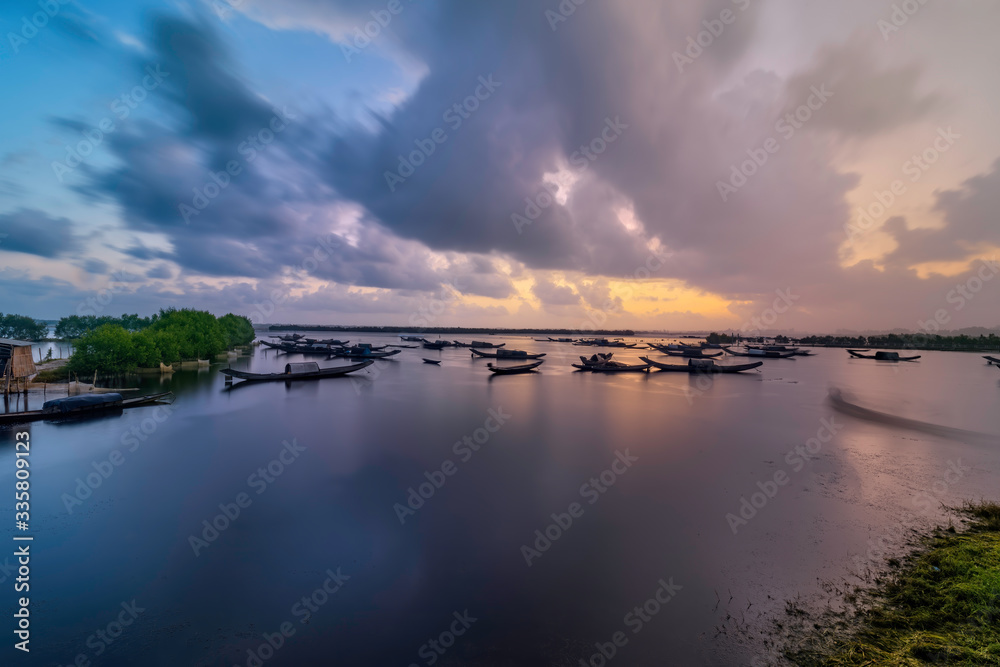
x: 16, y: 364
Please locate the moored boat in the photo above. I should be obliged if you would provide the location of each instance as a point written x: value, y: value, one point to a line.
x: 702, y: 366
x: 308, y: 370
x: 613, y: 367
x: 432, y: 361
x: 882, y: 356
x: 992, y: 360
x: 760, y: 354
x: 513, y: 370
x: 86, y: 405
x: 507, y: 354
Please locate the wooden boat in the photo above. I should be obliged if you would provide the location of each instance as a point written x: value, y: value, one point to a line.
x: 760, y: 354
x: 507, y: 354
x: 458, y: 343
x: 86, y: 405
x: 703, y: 366
x: 289, y: 338
x: 773, y: 348
x: 992, y: 360
x: 614, y: 367
x: 485, y: 346
x: 413, y: 339
x: 436, y: 345
x: 405, y: 347
x: 513, y: 370
x: 432, y: 361
x: 696, y: 353
x: 308, y: 370
x: 882, y: 356
x: 561, y: 340
x: 596, y: 359
x: 362, y: 352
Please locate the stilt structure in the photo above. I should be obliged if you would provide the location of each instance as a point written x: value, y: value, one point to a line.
x: 16, y: 364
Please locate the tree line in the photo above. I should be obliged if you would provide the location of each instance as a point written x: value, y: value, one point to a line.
x: 21, y: 327
x: 169, y: 336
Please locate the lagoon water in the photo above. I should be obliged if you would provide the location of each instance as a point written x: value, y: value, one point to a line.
x: 671, y: 456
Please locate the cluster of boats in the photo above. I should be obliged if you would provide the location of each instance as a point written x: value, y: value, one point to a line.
x: 297, y: 344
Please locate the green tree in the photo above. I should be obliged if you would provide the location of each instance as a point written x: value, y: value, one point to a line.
x: 108, y: 349
x: 22, y: 327
x: 198, y: 334
x: 238, y: 330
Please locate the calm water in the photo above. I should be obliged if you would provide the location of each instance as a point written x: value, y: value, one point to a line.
x: 694, y: 448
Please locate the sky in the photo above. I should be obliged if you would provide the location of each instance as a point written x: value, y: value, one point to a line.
x: 777, y: 165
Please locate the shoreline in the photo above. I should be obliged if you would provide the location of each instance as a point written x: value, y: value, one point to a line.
x: 937, y: 604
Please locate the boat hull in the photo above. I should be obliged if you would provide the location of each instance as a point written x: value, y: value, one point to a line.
x: 335, y: 371
x: 687, y: 368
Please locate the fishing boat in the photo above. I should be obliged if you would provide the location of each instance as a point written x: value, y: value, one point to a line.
x: 485, y: 346
x: 760, y: 354
x: 561, y: 340
x: 362, y: 352
x: 507, y: 354
x: 513, y: 370
x: 86, y: 405
x: 773, y: 348
x: 432, y: 361
x: 436, y: 345
x: 458, y: 343
x: 882, y: 356
x: 289, y: 338
x: 703, y: 366
x: 307, y: 370
x: 696, y: 353
x: 992, y: 360
x: 413, y: 339
x: 596, y: 359
x: 613, y: 367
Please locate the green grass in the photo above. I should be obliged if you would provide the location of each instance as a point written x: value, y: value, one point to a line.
x: 940, y: 607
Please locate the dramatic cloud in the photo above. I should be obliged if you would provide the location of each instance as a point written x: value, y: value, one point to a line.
x: 36, y: 233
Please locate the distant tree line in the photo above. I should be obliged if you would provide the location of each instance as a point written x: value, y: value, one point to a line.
x: 22, y: 327
x: 909, y: 342
x: 171, y: 335
x: 75, y: 326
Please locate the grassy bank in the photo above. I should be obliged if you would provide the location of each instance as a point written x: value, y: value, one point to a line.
x: 939, y: 606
